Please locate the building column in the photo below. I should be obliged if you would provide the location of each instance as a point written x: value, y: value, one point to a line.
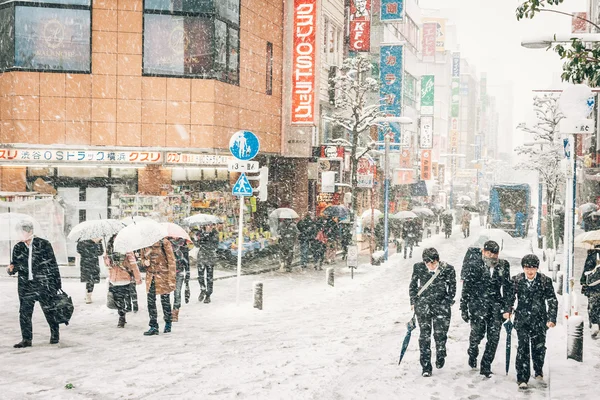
x: 293, y: 184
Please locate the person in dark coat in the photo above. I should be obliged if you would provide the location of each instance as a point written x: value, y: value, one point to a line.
x: 409, y: 235
x: 447, y: 220
x: 39, y: 280
x: 332, y: 233
x: 182, y: 263
x: 89, y: 267
x: 306, y: 227
x: 206, y: 238
x: 345, y: 238
x: 288, y: 233
x: 379, y: 235
x: 590, y: 287
x: 536, y: 311
x: 432, y: 289
x: 320, y: 243
x: 485, y: 302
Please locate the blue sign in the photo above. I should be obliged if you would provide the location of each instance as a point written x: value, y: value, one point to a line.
x: 567, y: 147
x: 390, y: 91
x: 242, y: 186
x: 392, y: 10
x: 244, y: 145
x: 591, y: 102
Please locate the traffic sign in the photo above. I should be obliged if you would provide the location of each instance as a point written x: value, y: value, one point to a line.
x: 242, y: 166
x: 577, y: 126
x: 242, y: 187
x: 244, y: 145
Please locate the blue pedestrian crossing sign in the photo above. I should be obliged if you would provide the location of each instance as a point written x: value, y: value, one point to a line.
x: 242, y: 186
x: 244, y: 145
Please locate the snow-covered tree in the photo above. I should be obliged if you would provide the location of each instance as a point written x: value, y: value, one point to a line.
x: 354, y: 88
x: 546, y: 154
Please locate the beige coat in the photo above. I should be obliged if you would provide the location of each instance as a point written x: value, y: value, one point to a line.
x: 120, y: 274
x: 159, y: 260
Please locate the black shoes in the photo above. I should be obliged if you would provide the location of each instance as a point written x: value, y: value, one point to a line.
x: 22, y: 343
x: 207, y: 300
x: 121, y: 323
x: 54, y: 340
x: 487, y: 374
x: 473, y: 362
x: 167, y: 327
x: 426, y: 374
x: 151, y: 332
x: 439, y: 363
x: 201, y: 295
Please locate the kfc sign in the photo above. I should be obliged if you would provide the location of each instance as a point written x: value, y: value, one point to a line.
x: 303, y: 67
x: 360, y: 25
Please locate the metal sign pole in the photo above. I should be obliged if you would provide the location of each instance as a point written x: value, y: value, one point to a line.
x: 240, y: 246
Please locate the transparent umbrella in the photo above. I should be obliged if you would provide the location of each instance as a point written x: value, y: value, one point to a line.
x: 587, y: 207
x: 136, y: 218
x: 367, y: 214
x: 175, y: 231
x: 284, y: 213
x: 99, y: 228
x: 139, y: 235
x: 580, y: 242
x: 11, y: 224
x: 202, y: 220
x: 423, y: 211
x: 404, y: 215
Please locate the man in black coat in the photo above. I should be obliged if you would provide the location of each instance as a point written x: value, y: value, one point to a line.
x: 432, y: 290
x: 590, y: 287
x: 39, y: 280
x: 307, y: 229
x: 536, y: 312
x: 485, y: 302
x: 89, y: 265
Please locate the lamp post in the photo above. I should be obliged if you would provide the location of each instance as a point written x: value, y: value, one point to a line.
x: 386, y: 174
x: 540, y: 188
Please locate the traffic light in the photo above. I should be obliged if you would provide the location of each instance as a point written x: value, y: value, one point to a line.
x: 263, y: 179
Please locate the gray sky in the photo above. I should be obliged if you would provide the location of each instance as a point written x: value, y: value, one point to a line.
x: 490, y: 38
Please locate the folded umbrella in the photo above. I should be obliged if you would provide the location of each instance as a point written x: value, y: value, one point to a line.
x: 410, y: 326
x: 98, y: 228
x: 508, y: 325
x: 139, y: 235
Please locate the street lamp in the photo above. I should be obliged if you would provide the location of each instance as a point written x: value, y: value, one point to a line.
x: 386, y: 206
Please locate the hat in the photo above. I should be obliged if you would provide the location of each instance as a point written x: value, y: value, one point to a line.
x: 531, y: 261
x: 430, y: 254
x: 491, y: 246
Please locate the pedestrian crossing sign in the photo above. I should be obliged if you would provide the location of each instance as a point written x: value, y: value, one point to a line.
x: 242, y: 186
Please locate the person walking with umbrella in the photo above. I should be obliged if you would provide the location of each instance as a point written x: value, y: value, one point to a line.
x: 206, y: 238
x: 590, y: 287
x: 182, y: 262
x: 122, y: 269
x: 306, y: 229
x: 89, y: 266
x: 408, y: 235
x: 159, y: 260
x: 485, y: 302
x: 288, y: 233
x: 432, y: 289
x: 39, y: 280
x: 536, y: 311
x: 447, y: 220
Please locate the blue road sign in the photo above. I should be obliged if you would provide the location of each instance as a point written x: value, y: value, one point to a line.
x: 242, y: 186
x: 244, y: 145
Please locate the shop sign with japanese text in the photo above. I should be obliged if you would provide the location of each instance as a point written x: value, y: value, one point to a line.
x: 196, y: 159
x: 405, y: 159
x: 427, y: 94
x: 303, y: 61
x: 426, y: 133
x: 360, y: 25
x: 440, y: 35
x: 26, y: 156
x: 429, y: 36
x: 390, y: 90
x: 391, y: 10
x: 426, y: 165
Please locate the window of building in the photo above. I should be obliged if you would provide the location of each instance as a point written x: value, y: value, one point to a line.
x: 269, y: 72
x: 45, y: 35
x: 194, y: 38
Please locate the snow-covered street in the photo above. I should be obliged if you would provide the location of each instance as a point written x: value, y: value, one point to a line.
x: 311, y: 341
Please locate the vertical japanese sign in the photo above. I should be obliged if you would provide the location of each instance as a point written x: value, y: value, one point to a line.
x: 303, y: 67
x: 579, y: 23
x: 455, y: 90
x: 426, y: 141
x: 426, y: 165
x: 427, y: 94
x: 390, y: 90
x: 441, y: 174
x: 392, y: 10
x: 360, y: 25
x: 429, y: 36
x: 405, y: 159
x: 440, y: 35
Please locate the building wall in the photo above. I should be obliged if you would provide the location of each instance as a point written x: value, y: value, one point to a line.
x: 116, y: 106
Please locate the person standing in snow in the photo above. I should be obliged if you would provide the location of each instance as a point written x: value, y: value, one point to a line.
x: 306, y: 227
x: 206, y: 238
x: 89, y: 251
x: 182, y: 262
x: 288, y: 235
x: 121, y: 269
x: 536, y: 311
x: 159, y: 260
x: 432, y: 289
x: 485, y: 302
x: 409, y: 235
x: 590, y: 287
x: 466, y: 223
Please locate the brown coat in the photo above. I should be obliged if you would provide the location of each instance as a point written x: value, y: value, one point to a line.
x: 159, y: 260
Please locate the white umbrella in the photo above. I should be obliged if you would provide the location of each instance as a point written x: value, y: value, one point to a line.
x: 136, y: 218
x: 497, y: 235
x: 464, y: 198
x: 592, y: 238
x: 423, y: 211
x: 284, y: 213
x: 404, y: 215
x: 595, y: 214
x: 587, y: 207
x: 202, y: 220
x: 94, y: 229
x: 174, y: 230
x: 367, y: 214
x: 11, y: 224
x: 139, y: 235
x: 580, y: 242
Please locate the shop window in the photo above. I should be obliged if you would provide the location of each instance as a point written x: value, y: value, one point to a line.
x: 194, y: 38
x: 46, y: 35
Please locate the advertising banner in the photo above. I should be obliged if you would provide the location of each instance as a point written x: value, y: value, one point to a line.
x: 366, y: 170
x: 360, y: 25
x: 71, y: 156
x: 429, y: 35
x: 441, y: 174
x: 391, y: 10
x: 427, y: 94
x: 403, y: 176
x: 405, y: 159
x: 440, y: 36
x: 579, y: 23
x: 455, y: 88
x: 328, y: 182
x: 426, y: 141
x: 303, y: 61
x: 426, y: 165
x: 390, y: 91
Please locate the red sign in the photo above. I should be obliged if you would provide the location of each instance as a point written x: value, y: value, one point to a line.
x: 332, y: 152
x: 426, y: 165
x: 579, y: 23
x: 360, y: 25
x: 303, y: 61
x: 429, y: 36
x: 404, y: 176
x: 405, y: 161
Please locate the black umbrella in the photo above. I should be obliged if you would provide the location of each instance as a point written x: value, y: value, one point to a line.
x: 336, y: 211
x: 410, y: 326
x: 470, y: 208
x: 508, y: 325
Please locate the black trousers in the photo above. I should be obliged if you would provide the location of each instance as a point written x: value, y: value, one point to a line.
x: 122, y: 297
x: 28, y: 295
x: 438, y: 320
x: 89, y: 287
x: 594, y: 308
x: 489, y: 326
x: 408, y: 242
x: 532, y: 346
x: 206, y: 284
x: 165, y: 300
